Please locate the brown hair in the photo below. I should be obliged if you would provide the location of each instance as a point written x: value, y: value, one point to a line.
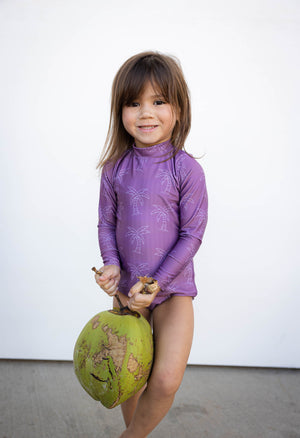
x: 165, y: 74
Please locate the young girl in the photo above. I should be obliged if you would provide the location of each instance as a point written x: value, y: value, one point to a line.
x: 152, y: 217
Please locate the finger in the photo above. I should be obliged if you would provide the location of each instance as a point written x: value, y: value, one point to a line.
x: 101, y: 284
x: 136, y: 288
x: 113, y: 293
x: 112, y: 288
x: 134, y: 304
x: 136, y: 307
x: 101, y: 279
x: 142, y: 300
x: 106, y: 284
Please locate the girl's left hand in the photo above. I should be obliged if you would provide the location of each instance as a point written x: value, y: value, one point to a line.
x: 138, y: 300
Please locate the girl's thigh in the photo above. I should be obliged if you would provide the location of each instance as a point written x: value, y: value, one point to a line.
x: 173, y: 327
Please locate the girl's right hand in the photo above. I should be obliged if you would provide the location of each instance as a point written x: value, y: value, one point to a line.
x: 109, y: 279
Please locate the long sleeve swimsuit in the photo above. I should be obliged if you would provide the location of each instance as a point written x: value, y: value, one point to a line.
x: 152, y: 217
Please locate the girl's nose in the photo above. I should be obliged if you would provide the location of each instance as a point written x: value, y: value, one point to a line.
x: 146, y: 111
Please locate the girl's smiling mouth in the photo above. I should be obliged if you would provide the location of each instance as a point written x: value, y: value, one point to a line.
x: 147, y: 128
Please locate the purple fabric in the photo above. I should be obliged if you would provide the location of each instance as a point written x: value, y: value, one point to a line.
x: 152, y: 217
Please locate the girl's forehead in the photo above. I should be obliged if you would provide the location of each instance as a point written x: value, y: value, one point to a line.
x: 150, y: 89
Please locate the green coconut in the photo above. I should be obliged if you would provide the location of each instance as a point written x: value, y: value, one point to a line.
x: 113, y: 355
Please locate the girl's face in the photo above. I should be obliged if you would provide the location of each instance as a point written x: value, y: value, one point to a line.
x: 149, y: 119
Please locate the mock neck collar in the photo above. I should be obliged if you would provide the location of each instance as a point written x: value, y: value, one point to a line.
x: 160, y: 150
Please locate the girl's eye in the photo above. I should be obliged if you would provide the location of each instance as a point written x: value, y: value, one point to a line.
x: 159, y: 102
x: 132, y: 104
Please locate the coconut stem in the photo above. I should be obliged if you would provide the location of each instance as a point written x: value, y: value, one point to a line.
x: 120, y: 302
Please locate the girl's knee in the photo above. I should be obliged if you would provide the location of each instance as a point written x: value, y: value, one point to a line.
x: 165, y: 383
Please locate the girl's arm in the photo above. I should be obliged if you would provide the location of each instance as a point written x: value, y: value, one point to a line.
x: 110, y: 278
x: 193, y: 219
x: 107, y: 220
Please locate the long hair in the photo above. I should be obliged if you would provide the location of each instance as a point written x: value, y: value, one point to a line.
x: 166, y: 76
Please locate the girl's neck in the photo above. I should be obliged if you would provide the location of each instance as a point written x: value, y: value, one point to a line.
x: 158, y: 150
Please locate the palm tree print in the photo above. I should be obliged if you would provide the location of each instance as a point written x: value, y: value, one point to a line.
x: 140, y: 270
x: 107, y: 238
x: 166, y: 179
x: 188, y: 274
x: 120, y: 175
x: 188, y: 199
x: 136, y: 237
x: 169, y: 284
x: 137, y: 198
x: 106, y: 213
x: 161, y: 253
x: 180, y: 166
x: 201, y: 214
x: 161, y: 216
x: 191, y: 250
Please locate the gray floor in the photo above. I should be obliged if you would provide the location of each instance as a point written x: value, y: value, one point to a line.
x: 44, y: 400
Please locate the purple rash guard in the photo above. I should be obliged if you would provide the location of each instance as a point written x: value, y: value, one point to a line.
x: 152, y: 217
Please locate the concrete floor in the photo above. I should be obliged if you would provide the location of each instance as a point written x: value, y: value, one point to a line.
x: 45, y: 400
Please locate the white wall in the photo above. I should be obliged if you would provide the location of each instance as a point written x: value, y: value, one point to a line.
x: 241, y: 60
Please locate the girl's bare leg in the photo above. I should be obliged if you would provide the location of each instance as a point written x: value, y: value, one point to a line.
x: 128, y: 407
x: 173, y: 333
